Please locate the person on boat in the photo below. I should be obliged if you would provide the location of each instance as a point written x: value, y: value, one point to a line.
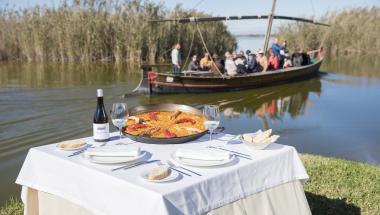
x: 217, y: 65
x: 241, y: 53
x: 234, y: 55
x: 287, y: 61
x: 285, y: 46
x: 247, y: 52
x: 297, y: 59
x: 305, y: 58
x: 262, y: 61
x: 276, y: 48
x: 176, y: 59
x: 230, y: 64
x: 251, y: 63
x: 206, y: 62
x: 240, y: 64
x: 273, y: 61
x: 193, y: 65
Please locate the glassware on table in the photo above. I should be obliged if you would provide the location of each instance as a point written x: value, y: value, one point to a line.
x: 213, y: 117
x: 119, y: 116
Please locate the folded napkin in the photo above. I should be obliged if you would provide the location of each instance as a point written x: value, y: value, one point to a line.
x: 114, y: 151
x: 261, y: 137
x: 202, y: 154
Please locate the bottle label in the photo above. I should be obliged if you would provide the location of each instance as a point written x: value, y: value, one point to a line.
x: 101, y: 131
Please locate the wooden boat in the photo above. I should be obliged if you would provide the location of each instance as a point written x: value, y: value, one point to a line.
x: 153, y: 82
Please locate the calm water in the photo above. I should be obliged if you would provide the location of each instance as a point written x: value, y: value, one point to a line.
x: 336, y: 114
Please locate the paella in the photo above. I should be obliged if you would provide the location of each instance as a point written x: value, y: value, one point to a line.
x: 165, y: 124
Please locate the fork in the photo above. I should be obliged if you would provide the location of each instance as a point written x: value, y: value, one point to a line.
x: 172, y: 168
x: 237, y: 154
x: 81, y: 151
x: 177, y: 166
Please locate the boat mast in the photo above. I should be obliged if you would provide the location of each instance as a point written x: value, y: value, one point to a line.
x: 269, y: 29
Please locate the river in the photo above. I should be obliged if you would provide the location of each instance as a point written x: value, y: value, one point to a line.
x: 335, y: 114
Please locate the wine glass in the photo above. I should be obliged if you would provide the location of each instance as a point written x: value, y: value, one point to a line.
x: 213, y: 117
x: 119, y: 116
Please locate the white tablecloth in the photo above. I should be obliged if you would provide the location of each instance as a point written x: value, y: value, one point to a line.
x: 101, y: 191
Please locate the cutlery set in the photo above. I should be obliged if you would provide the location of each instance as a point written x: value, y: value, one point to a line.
x: 237, y: 154
x: 169, y: 164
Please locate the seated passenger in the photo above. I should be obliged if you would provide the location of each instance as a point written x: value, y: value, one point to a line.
x: 240, y: 65
x: 305, y: 58
x: 234, y: 55
x: 297, y: 59
x: 217, y: 66
x: 241, y: 53
x: 262, y: 61
x: 251, y: 63
x: 273, y: 62
x: 193, y: 65
x: 287, y: 61
x: 230, y: 65
x: 206, y: 62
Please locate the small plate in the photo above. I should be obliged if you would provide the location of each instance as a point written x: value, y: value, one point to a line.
x: 172, y: 176
x: 71, y: 149
x: 113, y: 159
x: 201, y: 163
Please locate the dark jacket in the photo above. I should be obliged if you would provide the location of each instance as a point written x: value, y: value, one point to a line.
x: 305, y: 59
x: 193, y: 66
x: 297, y: 59
x: 252, y: 65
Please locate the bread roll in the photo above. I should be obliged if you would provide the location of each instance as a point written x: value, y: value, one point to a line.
x: 158, y: 173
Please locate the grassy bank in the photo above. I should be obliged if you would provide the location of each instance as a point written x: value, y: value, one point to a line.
x: 100, y: 30
x: 354, y: 31
x: 336, y: 187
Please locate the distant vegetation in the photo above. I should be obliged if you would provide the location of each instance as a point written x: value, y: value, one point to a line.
x: 355, y: 31
x: 100, y: 30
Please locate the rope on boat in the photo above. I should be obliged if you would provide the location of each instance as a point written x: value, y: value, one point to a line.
x: 204, y: 44
x: 190, y: 49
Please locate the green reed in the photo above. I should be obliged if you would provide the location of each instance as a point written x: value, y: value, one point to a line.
x: 354, y: 31
x: 103, y: 30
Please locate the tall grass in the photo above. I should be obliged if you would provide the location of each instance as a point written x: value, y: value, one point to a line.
x: 354, y: 31
x: 102, y: 30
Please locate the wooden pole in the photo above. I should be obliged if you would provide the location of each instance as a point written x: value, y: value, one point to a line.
x: 269, y: 29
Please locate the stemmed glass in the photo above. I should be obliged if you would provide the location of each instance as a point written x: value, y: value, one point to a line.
x: 119, y: 116
x: 213, y: 117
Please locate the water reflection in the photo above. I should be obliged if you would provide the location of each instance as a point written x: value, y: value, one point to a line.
x: 38, y: 75
x: 366, y: 66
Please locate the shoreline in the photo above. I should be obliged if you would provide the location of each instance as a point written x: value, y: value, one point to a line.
x: 336, y: 186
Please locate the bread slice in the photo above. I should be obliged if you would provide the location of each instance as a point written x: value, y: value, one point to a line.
x: 158, y: 173
x: 70, y: 145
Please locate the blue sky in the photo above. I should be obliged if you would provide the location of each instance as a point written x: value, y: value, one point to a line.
x: 299, y: 8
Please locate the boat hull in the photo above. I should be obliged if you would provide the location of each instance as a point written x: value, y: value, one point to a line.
x: 166, y: 83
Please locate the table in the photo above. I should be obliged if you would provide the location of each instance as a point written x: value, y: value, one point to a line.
x: 270, y: 183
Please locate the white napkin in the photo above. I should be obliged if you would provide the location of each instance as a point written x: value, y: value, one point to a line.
x: 114, y: 151
x: 202, y: 154
x: 261, y: 137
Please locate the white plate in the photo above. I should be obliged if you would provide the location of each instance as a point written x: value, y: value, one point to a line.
x: 172, y: 176
x: 201, y: 163
x: 113, y: 159
x: 71, y: 149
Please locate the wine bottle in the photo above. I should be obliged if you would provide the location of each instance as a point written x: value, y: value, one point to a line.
x: 101, y: 126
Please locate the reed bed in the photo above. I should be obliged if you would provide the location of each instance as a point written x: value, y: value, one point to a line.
x: 102, y: 30
x: 353, y: 32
